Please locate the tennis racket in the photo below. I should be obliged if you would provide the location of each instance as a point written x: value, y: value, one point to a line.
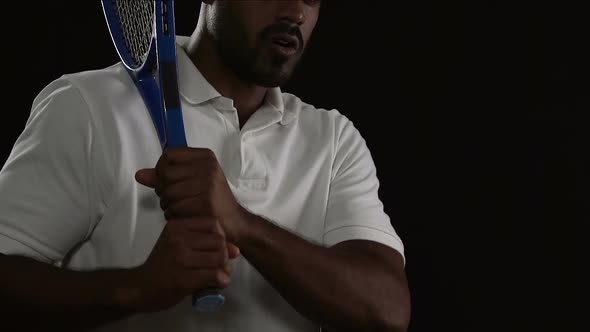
x: 143, y: 32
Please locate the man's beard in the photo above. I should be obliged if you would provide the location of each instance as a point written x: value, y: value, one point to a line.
x: 251, y: 65
x: 248, y: 66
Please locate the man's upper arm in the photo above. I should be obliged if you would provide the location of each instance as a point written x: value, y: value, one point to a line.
x: 44, y: 185
x: 385, y: 255
x: 355, y: 211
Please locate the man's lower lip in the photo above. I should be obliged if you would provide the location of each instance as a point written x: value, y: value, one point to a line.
x: 285, y: 50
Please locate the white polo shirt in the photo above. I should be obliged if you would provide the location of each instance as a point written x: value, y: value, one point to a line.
x: 68, y: 194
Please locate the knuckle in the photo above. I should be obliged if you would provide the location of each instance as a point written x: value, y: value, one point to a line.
x: 212, y: 226
x: 209, y: 165
x: 214, y: 168
x: 218, y: 238
x: 168, y: 154
x: 211, y: 161
x: 208, y: 153
x: 217, y: 229
x: 221, y: 278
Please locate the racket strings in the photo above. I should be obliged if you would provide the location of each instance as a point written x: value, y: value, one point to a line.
x: 136, y: 18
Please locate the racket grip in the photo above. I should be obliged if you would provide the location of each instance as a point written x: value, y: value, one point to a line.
x: 208, y: 300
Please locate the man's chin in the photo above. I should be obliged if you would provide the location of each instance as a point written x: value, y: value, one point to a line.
x: 272, y: 82
x: 273, y: 79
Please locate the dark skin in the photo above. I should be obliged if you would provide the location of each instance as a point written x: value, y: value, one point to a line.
x: 352, y: 286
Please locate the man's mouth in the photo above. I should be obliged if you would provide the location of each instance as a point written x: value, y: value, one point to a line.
x: 285, y: 40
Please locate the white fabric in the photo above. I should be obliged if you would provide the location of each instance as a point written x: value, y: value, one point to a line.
x: 68, y: 194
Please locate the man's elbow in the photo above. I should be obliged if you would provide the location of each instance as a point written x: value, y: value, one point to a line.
x: 394, y: 325
x: 395, y: 322
x: 395, y: 317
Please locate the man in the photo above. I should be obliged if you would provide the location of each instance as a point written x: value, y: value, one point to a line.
x: 275, y: 202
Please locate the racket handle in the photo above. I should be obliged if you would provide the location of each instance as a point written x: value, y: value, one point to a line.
x: 208, y: 300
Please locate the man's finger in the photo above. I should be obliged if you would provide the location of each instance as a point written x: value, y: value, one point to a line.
x: 232, y: 250
x: 180, y: 191
x: 184, y: 154
x: 146, y: 177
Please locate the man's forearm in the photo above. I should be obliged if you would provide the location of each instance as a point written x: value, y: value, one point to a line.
x: 37, y: 295
x: 339, y: 289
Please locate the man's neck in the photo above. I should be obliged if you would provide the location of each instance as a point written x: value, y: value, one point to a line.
x: 247, y: 97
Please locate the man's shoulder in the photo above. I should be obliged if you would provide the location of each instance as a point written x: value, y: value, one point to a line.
x: 89, y: 89
x: 322, y: 123
x: 113, y: 77
x: 309, y: 113
x: 103, y: 97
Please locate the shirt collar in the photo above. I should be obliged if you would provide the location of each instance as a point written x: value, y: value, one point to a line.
x: 192, y: 84
x: 274, y: 98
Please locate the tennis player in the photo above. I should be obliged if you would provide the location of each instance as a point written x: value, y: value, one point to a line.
x: 275, y: 201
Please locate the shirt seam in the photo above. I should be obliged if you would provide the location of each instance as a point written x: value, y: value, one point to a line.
x: 26, y: 245
x: 359, y: 226
x: 91, y: 225
x: 338, y: 136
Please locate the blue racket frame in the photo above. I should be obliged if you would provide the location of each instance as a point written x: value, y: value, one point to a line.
x: 156, y: 79
x: 157, y: 82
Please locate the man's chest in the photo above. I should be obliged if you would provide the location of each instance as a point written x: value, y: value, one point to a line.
x: 273, y: 171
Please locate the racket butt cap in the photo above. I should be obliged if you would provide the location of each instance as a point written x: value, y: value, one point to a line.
x: 209, y: 302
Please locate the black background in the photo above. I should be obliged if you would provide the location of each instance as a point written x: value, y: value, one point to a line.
x: 476, y: 114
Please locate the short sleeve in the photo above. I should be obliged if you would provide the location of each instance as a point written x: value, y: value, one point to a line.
x: 45, y: 208
x: 355, y: 210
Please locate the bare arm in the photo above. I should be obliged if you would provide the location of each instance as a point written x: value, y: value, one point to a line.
x: 352, y: 286
x: 36, y: 295
x: 191, y: 254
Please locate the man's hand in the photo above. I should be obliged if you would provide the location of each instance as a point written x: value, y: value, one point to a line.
x: 191, y: 183
x: 191, y: 254
x: 193, y: 250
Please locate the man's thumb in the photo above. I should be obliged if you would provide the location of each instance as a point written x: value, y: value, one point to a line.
x: 147, y: 177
